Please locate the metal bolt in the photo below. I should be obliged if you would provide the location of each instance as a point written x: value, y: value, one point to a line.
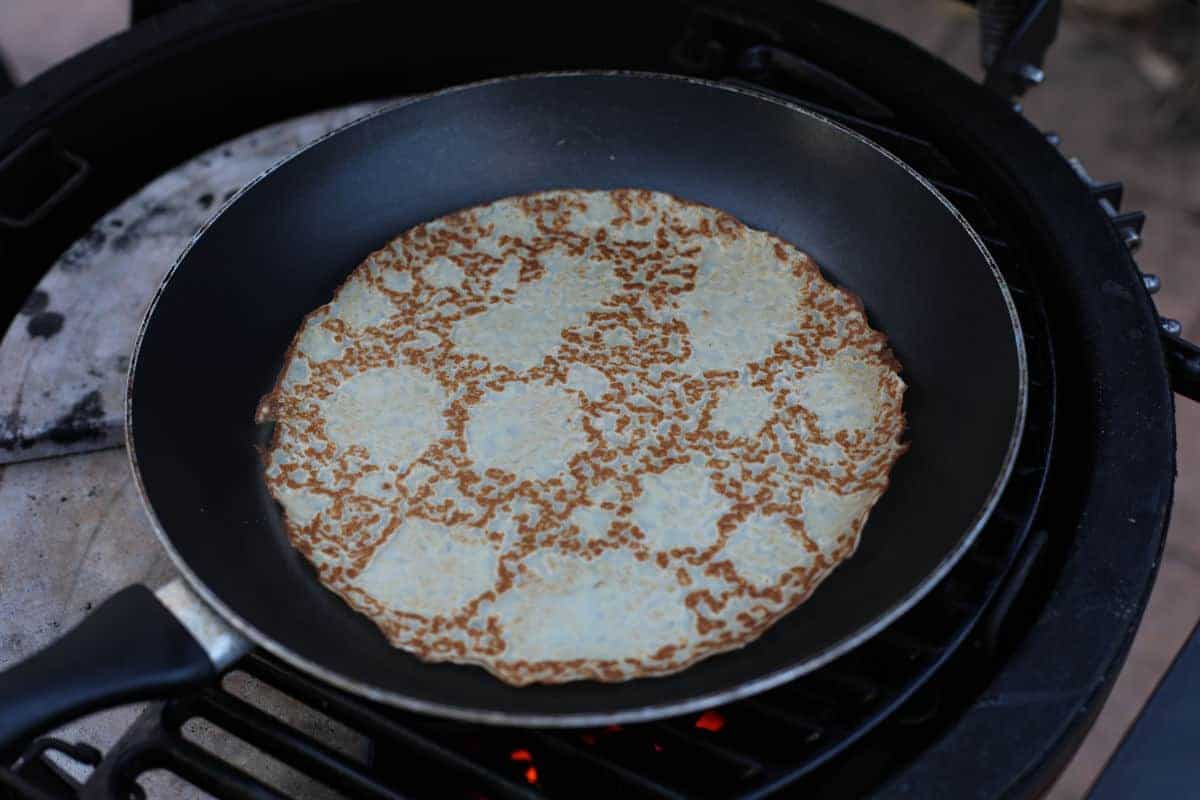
x: 1152, y: 283
x: 1080, y: 170
x: 1171, y: 327
x: 1131, y: 238
x: 1031, y: 74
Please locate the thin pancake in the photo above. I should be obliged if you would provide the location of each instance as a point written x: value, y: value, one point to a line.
x: 582, y: 434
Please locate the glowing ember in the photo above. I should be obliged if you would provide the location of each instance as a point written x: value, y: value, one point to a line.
x: 520, y: 755
x: 657, y: 747
x: 612, y: 729
x: 710, y: 721
x: 588, y: 738
x: 531, y: 775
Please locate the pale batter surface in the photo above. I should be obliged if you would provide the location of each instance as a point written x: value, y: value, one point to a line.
x: 582, y: 434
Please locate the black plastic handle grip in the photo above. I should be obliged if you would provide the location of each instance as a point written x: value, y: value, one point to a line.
x: 130, y: 648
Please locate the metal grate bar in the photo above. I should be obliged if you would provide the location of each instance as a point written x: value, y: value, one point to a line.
x: 812, y: 708
x: 910, y: 647
x: 810, y: 730
x: 362, y: 717
x: 689, y: 733
x: 665, y: 762
x: 290, y: 746
x: 999, y: 248
x: 954, y: 192
x: 780, y: 737
x: 562, y: 744
x: 834, y: 686
x: 43, y: 772
x: 210, y: 774
x: 968, y: 205
x: 886, y: 131
x: 22, y: 788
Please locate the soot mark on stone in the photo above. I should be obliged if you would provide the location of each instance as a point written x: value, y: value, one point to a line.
x: 205, y: 200
x: 10, y: 427
x: 37, y: 301
x: 81, y: 422
x: 135, y: 230
x: 80, y: 254
x: 44, y: 324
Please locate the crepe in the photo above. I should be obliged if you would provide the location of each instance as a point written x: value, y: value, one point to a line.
x: 582, y: 435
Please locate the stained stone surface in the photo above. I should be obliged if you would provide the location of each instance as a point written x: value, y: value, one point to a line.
x: 65, y: 358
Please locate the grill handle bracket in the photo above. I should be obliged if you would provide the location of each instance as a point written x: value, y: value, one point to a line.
x: 1014, y: 36
x: 134, y: 646
x: 1183, y: 363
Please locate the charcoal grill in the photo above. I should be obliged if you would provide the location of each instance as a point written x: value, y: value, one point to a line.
x: 979, y: 666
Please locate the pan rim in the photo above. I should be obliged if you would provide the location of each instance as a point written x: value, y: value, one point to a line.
x: 644, y: 713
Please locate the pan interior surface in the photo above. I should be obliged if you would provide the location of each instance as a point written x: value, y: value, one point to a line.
x: 215, y: 339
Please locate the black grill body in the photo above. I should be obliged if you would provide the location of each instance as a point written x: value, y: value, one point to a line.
x: 1011, y: 655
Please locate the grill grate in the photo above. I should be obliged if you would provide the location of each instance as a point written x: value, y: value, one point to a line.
x: 746, y: 749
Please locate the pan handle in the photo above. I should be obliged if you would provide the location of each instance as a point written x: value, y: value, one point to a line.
x: 136, y: 645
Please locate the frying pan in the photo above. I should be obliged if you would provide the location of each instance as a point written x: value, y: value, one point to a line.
x: 214, y: 338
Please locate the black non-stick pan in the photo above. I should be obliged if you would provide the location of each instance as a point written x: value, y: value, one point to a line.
x: 215, y: 336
